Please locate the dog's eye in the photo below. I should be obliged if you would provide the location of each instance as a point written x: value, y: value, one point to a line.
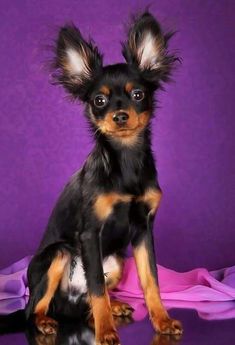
x: 137, y: 95
x: 100, y: 101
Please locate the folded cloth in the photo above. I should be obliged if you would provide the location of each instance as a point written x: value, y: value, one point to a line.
x: 194, y: 286
x: 13, y: 280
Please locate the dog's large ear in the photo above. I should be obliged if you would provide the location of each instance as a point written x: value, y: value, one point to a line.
x: 146, y: 49
x: 76, y: 63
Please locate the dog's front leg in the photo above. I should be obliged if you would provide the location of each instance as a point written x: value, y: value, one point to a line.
x: 144, y: 254
x: 105, y: 331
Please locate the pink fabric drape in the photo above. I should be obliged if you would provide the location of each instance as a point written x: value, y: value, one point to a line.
x: 193, y: 289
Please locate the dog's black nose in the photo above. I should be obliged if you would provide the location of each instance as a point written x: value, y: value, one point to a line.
x: 120, y: 118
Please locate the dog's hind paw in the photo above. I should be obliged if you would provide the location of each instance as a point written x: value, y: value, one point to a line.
x: 46, y: 325
x: 121, y: 309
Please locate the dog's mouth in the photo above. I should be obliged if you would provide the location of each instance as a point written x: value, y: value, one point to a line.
x: 123, y: 131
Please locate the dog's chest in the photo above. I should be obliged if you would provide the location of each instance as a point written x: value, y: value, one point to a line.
x: 73, y: 283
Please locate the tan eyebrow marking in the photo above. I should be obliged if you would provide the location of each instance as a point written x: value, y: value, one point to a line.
x: 105, y: 90
x: 128, y: 87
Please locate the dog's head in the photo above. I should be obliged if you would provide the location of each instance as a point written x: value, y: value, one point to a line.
x: 119, y: 97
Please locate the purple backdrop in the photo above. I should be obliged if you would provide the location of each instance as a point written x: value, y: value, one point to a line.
x: 44, y: 138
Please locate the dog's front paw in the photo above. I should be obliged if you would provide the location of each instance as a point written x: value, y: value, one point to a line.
x: 108, y: 338
x: 167, y: 326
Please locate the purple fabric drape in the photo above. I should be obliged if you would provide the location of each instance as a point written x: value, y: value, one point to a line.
x: 193, y: 289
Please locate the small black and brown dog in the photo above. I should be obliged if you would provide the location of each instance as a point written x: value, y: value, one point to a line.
x: 112, y: 200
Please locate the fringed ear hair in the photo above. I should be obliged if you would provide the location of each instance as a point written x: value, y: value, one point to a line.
x: 146, y: 49
x: 76, y: 63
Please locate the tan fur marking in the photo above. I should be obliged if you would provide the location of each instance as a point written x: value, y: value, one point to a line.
x: 105, y: 202
x: 54, y: 276
x: 152, y: 198
x: 105, y: 90
x: 127, y: 135
x: 144, y: 119
x: 151, y: 290
x: 129, y: 87
x: 103, y: 320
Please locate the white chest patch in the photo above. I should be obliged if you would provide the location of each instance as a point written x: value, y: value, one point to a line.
x: 110, y: 264
x: 74, y: 282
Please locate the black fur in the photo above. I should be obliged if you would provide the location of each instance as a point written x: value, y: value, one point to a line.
x: 114, y: 165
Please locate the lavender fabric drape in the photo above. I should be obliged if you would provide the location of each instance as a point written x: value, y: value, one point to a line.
x: 189, y: 289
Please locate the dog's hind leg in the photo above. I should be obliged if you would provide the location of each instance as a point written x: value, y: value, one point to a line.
x: 45, y: 324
